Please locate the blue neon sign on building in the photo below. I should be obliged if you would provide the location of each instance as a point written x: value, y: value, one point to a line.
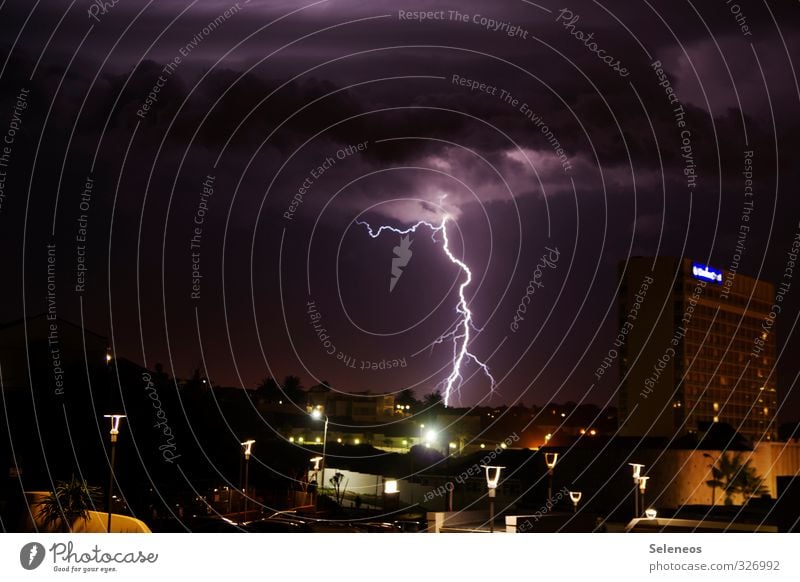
x: 706, y: 273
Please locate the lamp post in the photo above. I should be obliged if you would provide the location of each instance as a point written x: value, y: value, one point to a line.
x: 492, y: 478
x: 575, y: 497
x: 390, y: 491
x: 550, y: 459
x: 316, y: 414
x: 115, y: 420
x: 637, y: 472
x: 714, y: 480
x: 248, y: 449
x: 642, y: 486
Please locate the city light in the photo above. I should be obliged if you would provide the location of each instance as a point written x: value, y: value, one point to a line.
x: 492, y: 479
x: 575, y: 497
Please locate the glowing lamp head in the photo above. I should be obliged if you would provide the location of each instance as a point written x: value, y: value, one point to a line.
x: 390, y: 487
x: 643, y: 483
x: 575, y: 496
x: 550, y: 459
x: 430, y: 436
x: 316, y: 461
x: 248, y: 448
x: 108, y: 358
x: 115, y: 420
x: 492, y: 475
x: 637, y: 470
x: 316, y: 414
x: 650, y: 513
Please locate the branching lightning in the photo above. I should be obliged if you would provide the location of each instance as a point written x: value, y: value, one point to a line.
x: 460, y: 334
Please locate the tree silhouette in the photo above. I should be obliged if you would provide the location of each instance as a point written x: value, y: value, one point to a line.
x: 71, y: 500
x: 339, y: 486
x: 407, y: 398
x: 733, y: 475
x: 269, y: 390
x: 433, y: 398
x: 293, y: 389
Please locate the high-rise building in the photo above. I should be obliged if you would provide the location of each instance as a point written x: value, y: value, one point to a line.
x: 696, y: 345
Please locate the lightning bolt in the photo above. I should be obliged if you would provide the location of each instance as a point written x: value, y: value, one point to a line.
x: 460, y: 334
x: 32, y: 555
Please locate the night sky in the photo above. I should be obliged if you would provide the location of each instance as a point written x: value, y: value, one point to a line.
x: 549, y: 134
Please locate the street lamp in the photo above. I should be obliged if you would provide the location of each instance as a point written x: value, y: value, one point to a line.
x: 492, y: 478
x: 316, y: 414
x: 248, y: 449
x: 390, y: 489
x: 550, y: 460
x: 115, y: 420
x: 575, y: 497
x: 637, y: 472
x: 714, y: 480
x: 642, y: 486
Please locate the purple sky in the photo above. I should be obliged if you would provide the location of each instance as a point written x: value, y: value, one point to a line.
x: 263, y: 99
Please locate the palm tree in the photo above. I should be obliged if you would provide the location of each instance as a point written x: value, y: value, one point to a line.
x: 734, y: 475
x: 433, y: 399
x: 293, y: 389
x: 407, y: 397
x: 71, y: 500
x: 269, y: 390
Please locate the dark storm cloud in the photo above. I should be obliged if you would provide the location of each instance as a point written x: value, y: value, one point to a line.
x: 600, y: 120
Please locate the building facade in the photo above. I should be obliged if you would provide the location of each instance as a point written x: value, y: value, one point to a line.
x: 696, y: 345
